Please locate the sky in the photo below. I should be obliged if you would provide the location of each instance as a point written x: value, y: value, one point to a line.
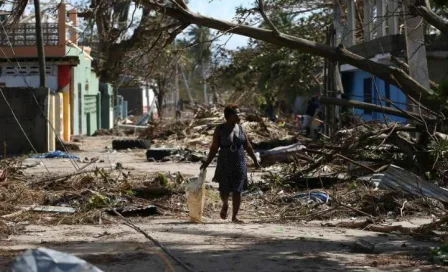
x: 225, y: 10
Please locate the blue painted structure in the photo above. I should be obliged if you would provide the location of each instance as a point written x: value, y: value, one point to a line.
x: 363, y: 86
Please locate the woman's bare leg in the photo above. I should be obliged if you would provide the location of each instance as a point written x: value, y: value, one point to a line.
x: 236, y: 203
x: 225, y: 205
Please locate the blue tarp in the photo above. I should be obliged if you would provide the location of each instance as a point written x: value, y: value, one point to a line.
x: 55, y: 154
x: 317, y: 197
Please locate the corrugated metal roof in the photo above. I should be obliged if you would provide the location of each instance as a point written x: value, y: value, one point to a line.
x: 401, y: 180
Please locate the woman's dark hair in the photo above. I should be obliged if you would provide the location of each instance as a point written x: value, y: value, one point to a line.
x: 229, y: 110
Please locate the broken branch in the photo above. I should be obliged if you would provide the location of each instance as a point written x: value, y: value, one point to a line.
x: 405, y: 67
x: 423, y: 9
x: 372, y: 107
x: 266, y: 18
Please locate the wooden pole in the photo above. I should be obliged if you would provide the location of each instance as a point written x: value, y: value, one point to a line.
x: 40, y: 45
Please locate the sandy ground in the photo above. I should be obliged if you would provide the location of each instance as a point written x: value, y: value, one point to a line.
x: 99, y: 147
x: 222, y: 246
x: 215, y: 245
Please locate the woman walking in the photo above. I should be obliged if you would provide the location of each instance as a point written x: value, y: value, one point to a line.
x: 231, y: 172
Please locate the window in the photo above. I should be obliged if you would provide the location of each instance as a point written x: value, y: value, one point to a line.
x: 387, y: 93
x: 368, y: 93
x: 25, y: 70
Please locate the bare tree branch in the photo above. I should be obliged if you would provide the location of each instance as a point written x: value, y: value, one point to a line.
x: 387, y: 73
x: 266, y: 18
x: 405, y: 67
x: 181, y: 4
x: 423, y: 9
x: 368, y: 106
x: 177, y: 31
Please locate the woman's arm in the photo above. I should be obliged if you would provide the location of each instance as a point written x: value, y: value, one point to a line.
x: 213, y: 149
x: 250, y: 152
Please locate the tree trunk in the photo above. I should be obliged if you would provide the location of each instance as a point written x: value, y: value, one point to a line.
x: 372, y: 107
x: 187, y: 86
x: 405, y: 67
x: 148, y: 100
x: 424, y: 9
x: 176, y: 85
x: 160, y: 95
x: 160, y: 108
x: 205, y: 84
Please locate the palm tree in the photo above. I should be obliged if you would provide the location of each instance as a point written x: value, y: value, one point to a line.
x: 201, y: 50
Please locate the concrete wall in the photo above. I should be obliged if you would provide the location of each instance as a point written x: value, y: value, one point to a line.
x: 85, y: 84
x: 353, y: 83
x: 30, y: 117
x: 107, y: 109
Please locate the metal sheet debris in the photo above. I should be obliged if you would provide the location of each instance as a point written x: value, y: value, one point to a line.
x: 54, y: 209
x: 401, y: 180
x: 135, y: 211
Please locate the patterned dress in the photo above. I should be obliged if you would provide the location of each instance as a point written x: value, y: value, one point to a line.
x: 231, y: 171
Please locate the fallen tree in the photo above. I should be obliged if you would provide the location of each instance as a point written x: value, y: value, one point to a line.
x: 153, y: 33
x: 423, y: 8
x: 375, y: 108
x: 179, y: 10
x: 405, y: 67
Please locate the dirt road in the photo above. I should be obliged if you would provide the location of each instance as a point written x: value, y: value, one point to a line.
x: 100, y: 147
x: 215, y: 245
x: 222, y: 246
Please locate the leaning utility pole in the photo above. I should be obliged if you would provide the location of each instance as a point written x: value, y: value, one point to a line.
x: 40, y: 45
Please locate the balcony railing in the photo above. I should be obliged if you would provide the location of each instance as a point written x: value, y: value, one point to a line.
x: 25, y: 35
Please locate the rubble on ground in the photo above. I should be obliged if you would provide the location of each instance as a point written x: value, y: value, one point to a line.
x: 369, y: 170
x: 359, y: 173
x: 175, y: 154
x: 112, y: 132
x: 84, y: 197
x: 197, y: 133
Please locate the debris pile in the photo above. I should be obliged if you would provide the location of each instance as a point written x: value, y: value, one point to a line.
x: 368, y: 170
x: 369, y: 148
x: 112, y: 132
x: 84, y: 197
x: 175, y: 154
x: 198, y: 132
